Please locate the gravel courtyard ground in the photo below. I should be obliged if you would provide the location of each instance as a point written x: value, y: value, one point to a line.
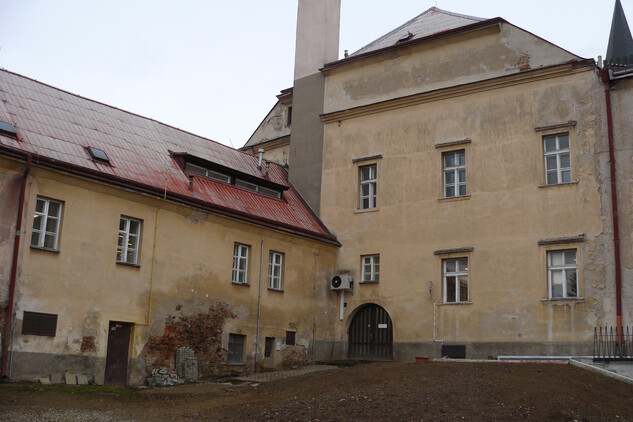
x: 439, y: 391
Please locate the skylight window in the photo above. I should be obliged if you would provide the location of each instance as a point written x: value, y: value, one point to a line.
x: 7, y: 129
x: 98, y: 155
x: 405, y: 37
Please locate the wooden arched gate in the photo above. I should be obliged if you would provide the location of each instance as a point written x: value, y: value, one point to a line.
x: 370, y: 334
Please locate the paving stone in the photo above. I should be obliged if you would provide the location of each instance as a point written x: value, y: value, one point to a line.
x: 71, y: 379
x: 56, y: 378
x: 44, y: 380
x: 82, y: 379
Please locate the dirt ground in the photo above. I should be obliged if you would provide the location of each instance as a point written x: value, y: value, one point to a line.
x: 439, y: 391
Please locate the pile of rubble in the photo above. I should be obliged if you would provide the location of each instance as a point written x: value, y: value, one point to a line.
x: 186, y: 367
x: 163, y: 377
x: 67, y: 378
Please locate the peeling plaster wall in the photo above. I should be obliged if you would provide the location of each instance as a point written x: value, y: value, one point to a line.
x: 451, y: 61
x: 507, y: 209
x: 84, y: 286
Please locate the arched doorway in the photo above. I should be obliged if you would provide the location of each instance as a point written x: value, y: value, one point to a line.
x: 370, y: 334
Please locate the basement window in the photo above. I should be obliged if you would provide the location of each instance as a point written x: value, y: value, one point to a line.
x: 39, y: 324
x: 98, y: 155
x: 7, y: 129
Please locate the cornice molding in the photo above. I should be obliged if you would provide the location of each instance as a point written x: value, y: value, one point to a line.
x: 460, y: 90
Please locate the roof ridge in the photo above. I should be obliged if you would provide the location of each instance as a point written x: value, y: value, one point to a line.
x: 459, y: 15
x: 122, y: 110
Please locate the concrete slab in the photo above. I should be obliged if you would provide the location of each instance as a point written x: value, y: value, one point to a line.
x: 56, y: 378
x: 70, y: 379
x: 272, y: 376
x: 616, y: 370
x: 44, y: 380
x: 82, y: 379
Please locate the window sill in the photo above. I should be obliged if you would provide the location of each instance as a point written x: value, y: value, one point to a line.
x: 574, y: 182
x: 359, y: 211
x: 236, y: 364
x: 37, y: 248
x: 275, y: 290
x: 369, y: 282
x: 127, y: 264
x: 564, y: 300
x: 241, y: 284
x: 454, y: 198
x: 454, y: 303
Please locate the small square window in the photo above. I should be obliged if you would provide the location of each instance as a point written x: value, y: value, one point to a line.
x: 39, y: 324
x: 240, y: 263
x: 562, y: 268
x: 128, y: 242
x: 557, y: 159
x: 454, y: 173
x: 236, y: 348
x: 98, y: 155
x: 290, y: 338
x: 455, y: 280
x: 275, y: 267
x: 46, y: 222
x: 371, y: 268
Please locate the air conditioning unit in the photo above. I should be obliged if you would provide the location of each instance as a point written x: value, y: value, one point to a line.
x: 341, y: 282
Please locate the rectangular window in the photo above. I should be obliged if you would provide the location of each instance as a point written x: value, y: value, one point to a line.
x: 454, y: 173
x: 368, y: 179
x: 127, y: 248
x: 38, y: 324
x: 561, y: 270
x: 275, y: 265
x: 46, y: 221
x: 240, y: 264
x: 371, y: 268
x: 268, y: 347
x: 455, y: 280
x: 215, y: 175
x: 236, y: 348
x: 557, y: 159
x: 290, y: 338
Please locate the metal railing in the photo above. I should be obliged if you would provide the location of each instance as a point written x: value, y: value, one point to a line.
x: 611, y: 345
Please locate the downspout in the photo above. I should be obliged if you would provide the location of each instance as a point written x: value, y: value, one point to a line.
x: 14, y: 269
x: 259, y: 303
x: 614, y: 204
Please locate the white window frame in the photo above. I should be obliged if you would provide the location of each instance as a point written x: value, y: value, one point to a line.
x: 566, y: 268
x: 370, y: 265
x: 455, y: 170
x: 39, y: 234
x: 558, y: 155
x: 457, y: 275
x: 129, y: 241
x: 211, y: 174
x: 240, y: 255
x: 372, y: 183
x: 275, y: 269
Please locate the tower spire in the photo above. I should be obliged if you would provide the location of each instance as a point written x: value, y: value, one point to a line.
x: 620, y: 49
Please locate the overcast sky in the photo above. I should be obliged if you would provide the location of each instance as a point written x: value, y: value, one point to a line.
x: 214, y: 67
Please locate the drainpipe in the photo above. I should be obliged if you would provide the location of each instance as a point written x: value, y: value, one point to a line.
x: 614, y: 204
x: 259, y: 303
x: 14, y: 269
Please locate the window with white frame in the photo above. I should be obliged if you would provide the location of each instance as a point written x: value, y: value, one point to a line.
x: 236, y: 348
x: 562, y: 277
x: 454, y: 173
x: 240, y: 264
x: 275, y: 266
x: 557, y: 159
x: 212, y: 174
x: 368, y: 178
x: 129, y: 233
x: 46, y: 222
x: 371, y: 268
x: 455, y: 280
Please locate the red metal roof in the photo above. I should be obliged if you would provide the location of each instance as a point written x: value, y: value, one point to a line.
x: 56, y: 127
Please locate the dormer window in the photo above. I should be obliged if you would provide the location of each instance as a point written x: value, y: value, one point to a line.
x: 98, y: 155
x: 257, y: 188
x: 211, y: 174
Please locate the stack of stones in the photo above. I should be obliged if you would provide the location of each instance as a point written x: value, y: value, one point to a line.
x: 187, y: 364
x: 163, y: 377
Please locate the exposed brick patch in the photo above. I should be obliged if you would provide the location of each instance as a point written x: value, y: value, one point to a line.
x: 524, y: 63
x: 294, y: 356
x: 202, y: 332
x: 88, y: 344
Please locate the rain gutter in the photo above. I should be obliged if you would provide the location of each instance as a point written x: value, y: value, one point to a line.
x: 8, y: 324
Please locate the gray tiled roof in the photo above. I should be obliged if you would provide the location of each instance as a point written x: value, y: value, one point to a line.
x: 430, y: 22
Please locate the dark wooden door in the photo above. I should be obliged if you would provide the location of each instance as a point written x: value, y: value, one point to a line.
x: 116, y: 359
x: 371, y: 334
